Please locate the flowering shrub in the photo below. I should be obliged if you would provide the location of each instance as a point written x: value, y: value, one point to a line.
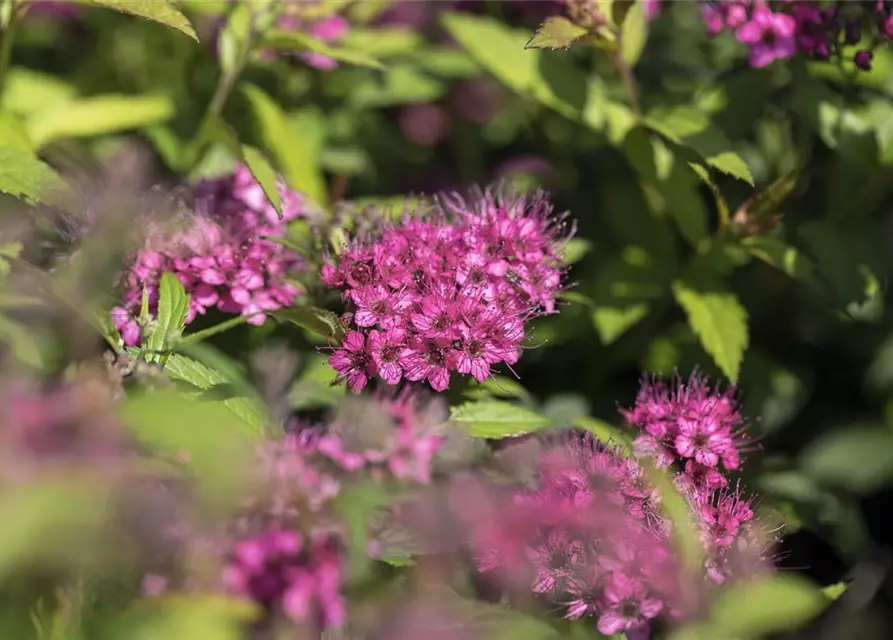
x: 323, y: 319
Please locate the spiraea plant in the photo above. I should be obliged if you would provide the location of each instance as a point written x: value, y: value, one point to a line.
x: 456, y: 319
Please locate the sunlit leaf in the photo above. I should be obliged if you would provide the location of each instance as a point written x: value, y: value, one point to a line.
x: 320, y: 321
x: 161, y: 11
x: 23, y: 176
x: 97, y: 115
x: 718, y: 319
x: 265, y: 175
x: 296, y: 159
x: 634, y: 33
x: 557, y: 32
x: 173, y: 305
x: 496, y: 419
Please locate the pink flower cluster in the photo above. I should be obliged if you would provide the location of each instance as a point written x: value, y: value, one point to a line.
x: 220, y: 255
x: 279, y: 568
x: 816, y: 31
x: 405, y: 444
x: 691, y: 424
x: 591, y: 533
x: 448, y: 292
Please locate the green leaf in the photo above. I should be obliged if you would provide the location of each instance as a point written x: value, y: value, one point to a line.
x: 320, y: 321
x: 625, y: 289
x: 161, y: 11
x: 27, y: 91
x: 691, y: 128
x: 634, y: 33
x: 281, y: 138
x: 718, y: 319
x: 265, y: 175
x: 754, y: 609
x: 49, y: 521
x: 834, y: 591
x: 13, y: 134
x: 612, y: 322
x: 315, y: 388
x: 173, y: 305
x: 604, y: 431
x: 620, y: 9
x: 782, y: 256
x: 575, y: 250
x: 196, y: 616
x: 403, y: 84
x: 23, y: 345
x: 98, y: 115
x: 552, y: 80
x: 235, y: 38
x: 854, y: 457
x: 23, y: 176
x: 185, y: 369
x: 496, y: 387
x: 847, y: 260
x: 677, y: 509
x: 384, y: 42
x: 496, y: 419
x: 447, y: 63
x: 669, y: 184
x: 211, y: 439
x: 557, y: 32
x: 291, y: 39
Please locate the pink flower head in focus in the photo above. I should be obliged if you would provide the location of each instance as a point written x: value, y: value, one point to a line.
x: 770, y: 36
x: 447, y: 293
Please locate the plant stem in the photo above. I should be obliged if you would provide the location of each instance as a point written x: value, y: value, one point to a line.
x: 15, y: 15
x: 629, y: 83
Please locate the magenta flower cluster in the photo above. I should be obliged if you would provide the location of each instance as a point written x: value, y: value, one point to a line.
x: 279, y: 567
x: 450, y: 292
x: 405, y: 448
x: 220, y: 255
x: 285, y: 551
x: 591, y: 534
x: 818, y: 32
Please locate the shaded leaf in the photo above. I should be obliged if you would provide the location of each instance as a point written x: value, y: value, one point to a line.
x: 691, y: 128
x: 613, y: 322
x: 320, y: 321
x: 500, y: 50
x: 759, y: 213
x: 718, y: 319
x: 557, y: 32
x: 858, y: 458
x: 575, y: 250
x: 496, y: 419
